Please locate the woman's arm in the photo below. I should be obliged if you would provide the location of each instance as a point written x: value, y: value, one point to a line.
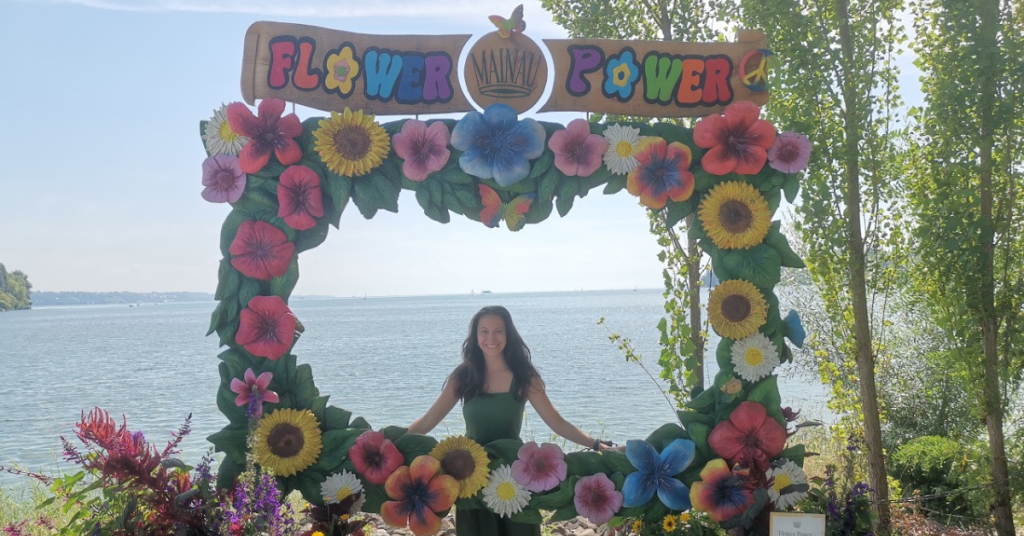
x: 439, y: 410
x: 539, y: 400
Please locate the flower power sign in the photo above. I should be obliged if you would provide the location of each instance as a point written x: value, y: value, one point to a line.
x: 417, y: 74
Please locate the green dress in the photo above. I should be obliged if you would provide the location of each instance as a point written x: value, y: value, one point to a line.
x: 489, y: 417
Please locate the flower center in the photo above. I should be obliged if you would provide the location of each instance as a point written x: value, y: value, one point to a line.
x: 352, y: 142
x: 341, y: 70
x: 735, y: 308
x: 624, y: 149
x: 458, y: 463
x: 735, y: 216
x: 506, y: 491
x: 788, y: 153
x: 226, y: 133
x: 578, y: 151
x: 782, y: 481
x: 267, y: 327
x: 598, y: 498
x: 621, y: 75
x: 285, y: 440
x: 754, y: 357
x: 540, y: 465
x: 343, y: 493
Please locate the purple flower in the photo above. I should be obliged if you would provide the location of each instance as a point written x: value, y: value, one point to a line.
x: 539, y: 468
x: 790, y: 152
x: 223, y: 179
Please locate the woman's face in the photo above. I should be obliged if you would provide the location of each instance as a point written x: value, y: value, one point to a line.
x: 490, y: 335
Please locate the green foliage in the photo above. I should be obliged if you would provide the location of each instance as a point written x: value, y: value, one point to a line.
x: 933, y: 465
x: 15, y: 290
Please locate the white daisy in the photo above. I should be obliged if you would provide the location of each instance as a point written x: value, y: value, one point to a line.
x: 218, y: 136
x: 622, y: 143
x: 340, y: 486
x: 787, y: 474
x: 754, y: 357
x: 503, y: 495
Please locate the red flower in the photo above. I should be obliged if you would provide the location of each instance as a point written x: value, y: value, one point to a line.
x: 261, y: 251
x: 300, y: 197
x: 268, y: 133
x: 375, y: 457
x: 737, y: 139
x: 267, y: 327
x: 749, y: 437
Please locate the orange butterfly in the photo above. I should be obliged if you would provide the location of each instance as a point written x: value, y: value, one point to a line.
x: 512, y: 212
x: 511, y: 25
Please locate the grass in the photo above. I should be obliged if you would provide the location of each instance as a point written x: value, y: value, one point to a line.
x: 19, y: 514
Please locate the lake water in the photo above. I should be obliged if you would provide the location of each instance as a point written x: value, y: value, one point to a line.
x: 382, y: 358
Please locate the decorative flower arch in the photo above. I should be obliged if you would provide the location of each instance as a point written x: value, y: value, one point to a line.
x: 287, y: 181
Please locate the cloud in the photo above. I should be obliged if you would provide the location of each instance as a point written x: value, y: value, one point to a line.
x: 308, y: 8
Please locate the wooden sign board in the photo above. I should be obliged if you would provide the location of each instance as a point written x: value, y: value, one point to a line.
x: 417, y: 74
x: 657, y: 78
x: 796, y: 524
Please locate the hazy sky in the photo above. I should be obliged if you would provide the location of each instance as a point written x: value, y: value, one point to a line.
x: 101, y: 152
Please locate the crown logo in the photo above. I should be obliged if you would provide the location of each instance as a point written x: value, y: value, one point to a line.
x: 797, y: 524
x: 506, y: 72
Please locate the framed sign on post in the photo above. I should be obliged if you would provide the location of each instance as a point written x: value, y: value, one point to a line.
x: 797, y: 524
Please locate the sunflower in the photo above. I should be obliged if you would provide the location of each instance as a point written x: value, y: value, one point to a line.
x: 669, y: 523
x: 735, y: 215
x: 288, y: 441
x: 351, y: 144
x: 638, y: 525
x: 737, y: 309
x: 466, y: 461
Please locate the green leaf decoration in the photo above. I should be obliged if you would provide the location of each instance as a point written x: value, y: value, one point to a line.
x: 249, y: 289
x: 228, y: 471
x: 308, y: 483
x: 615, y: 184
x: 666, y: 434
x: 333, y: 454
x: 539, y: 211
x: 791, y: 186
x: 504, y: 449
x: 215, y: 318
x: 699, y: 433
x: 394, y: 432
x: 778, y: 241
x: 548, y: 184
x: 556, y: 498
x: 704, y: 181
x: 302, y: 386
x: 705, y: 400
x: 795, y: 454
x: 375, y: 496
x: 687, y: 417
x: 339, y: 190
x: 541, y: 165
x: 229, y: 230
x: 584, y: 463
x: 766, y: 393
x: 231, y: 440
x: 678, y: 211
x: 227, y: 280
x: 283, y: 286
x: 413, y: 445
x: 532, y: 517
x: 226, y: 405
x: 759, y: 265
x: 564, y: 513
x: 774, y: 198
x: 376, y: 191
x: 336, y: 418
x: 359, y: 422
x: 617, y: 462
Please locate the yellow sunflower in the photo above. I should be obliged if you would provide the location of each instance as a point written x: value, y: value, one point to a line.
x: 737, y: 309
x: 735, y: 215
x: 288, y: 441
x: 466, y: 461
x: 638, y: 525
x: 351, y: 144
x: 669, y: 523
x: 684, y: 517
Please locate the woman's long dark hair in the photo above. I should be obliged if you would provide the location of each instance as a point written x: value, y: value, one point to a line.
x: 472, y: 372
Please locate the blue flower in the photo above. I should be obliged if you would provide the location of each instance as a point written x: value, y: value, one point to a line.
x: 497, y: 145
x: 620, y: 75
x: 655, y: 474
x: 795, y: 329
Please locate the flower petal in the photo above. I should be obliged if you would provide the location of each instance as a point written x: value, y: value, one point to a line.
x: 676, y: 457
x: 424, y: 523
x: 424, y: 467
x: 726, y: 440
x: 751, y: 160
x: 772, y: 437
x: 238, y: 386
x: 263, y: 381
x: 466, y: 131
x: 250, y: 377
x: 444, y: 489
x: 709, y: 130
x: 673, y: 494
x: 253, y: 158
x: 499, y: 114
x: 718, y: 161
x: 762, y: 133
x: 394, y: 514
x: 642, y: 455
x: 637, y: 490
x: 509, y: 169
x: 290, y: 126
x: 242, y: 120
x: 288, y: 152
x: 270, y: 397
x: 741, y: 115
x: 748, y: 417
x: 397, y: 483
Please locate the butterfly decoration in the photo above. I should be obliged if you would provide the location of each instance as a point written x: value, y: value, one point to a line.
x: 511, y: 25
x: 512, y: 212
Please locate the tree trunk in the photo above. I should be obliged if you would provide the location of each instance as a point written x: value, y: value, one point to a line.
x: 989, y: 17
x: 858, y: 284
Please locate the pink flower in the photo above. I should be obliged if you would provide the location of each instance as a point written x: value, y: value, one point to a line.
x: 375, y: 457
x: 424, y: 149
x: 596, y: 499
x: 790, y: 152
x: 737, y: 140
x: 577, y: 151
x: 300, y: 198
x: 539, y: 468
x: 266, y: 327
x: 254, y: 391
x: 268, y: 134
x: 261, y: 251
x: 223, y: 179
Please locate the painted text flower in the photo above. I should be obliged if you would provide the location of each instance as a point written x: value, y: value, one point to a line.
x: 790, y: 152
x: 754, y: 357
x: 737, y: 140
x: 750, y: 437
x: 223, y: 179
x: 621, y: 75
x: 424, y: 149
x: 300, y: 198
x: 497, y: 145
x: 342, y: 70
x: 503, y: 494
x: 253, y: 391
x: 288, y: 441
x: 261, y: 251
x: 266, y: 327
x: 662, y: 173
x: 596, y: 499
x: 351, y: 144
x: 218, y: 136
x: 735, y: 215
x: 656, y: 473
x: 736, y: 309
x: 466, y: 461
x: 539, y: 468
x: 375, y: 457
x: 268, y: 134
x: 419, y: 493
x: 577, y: 151
x: 719, y: 492
x: 620, y: 157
